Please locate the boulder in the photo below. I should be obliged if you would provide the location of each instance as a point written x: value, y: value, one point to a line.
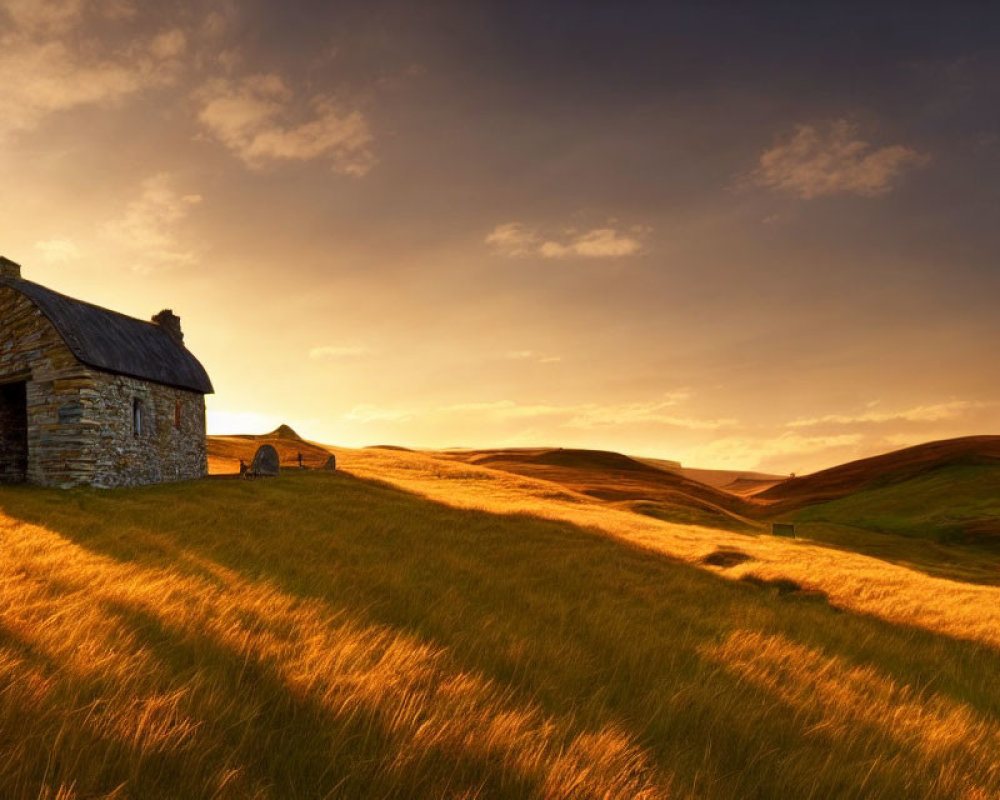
x: 331, y: 463
x: 265, y: 462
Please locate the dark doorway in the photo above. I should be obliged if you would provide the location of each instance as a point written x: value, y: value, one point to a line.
x: 13, y: 432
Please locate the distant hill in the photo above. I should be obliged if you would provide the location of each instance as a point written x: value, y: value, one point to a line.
x: 283, y: 432
x: 943, y: 491
x: 735, y: 481
x: 879, y: 471
x: 225, y: 452
x: 954, y: 503
x: 617, y: 478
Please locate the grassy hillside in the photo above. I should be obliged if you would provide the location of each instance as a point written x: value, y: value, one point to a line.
x: 880, y: 471
x: 631, y: 484
x: 226, y: 452
x: 325, y: 635
x: 959, y: 503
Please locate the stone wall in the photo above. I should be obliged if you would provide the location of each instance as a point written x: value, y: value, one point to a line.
x: 31, y: 350
x: 79, y: 420
x: 169, y: 444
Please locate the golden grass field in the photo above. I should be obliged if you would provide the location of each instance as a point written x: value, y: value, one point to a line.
x: 413, y: 626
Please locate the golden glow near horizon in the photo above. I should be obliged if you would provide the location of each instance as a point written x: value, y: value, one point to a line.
x: 374, y: 242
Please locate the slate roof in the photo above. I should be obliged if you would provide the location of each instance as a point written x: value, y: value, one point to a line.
x: 113, y: 342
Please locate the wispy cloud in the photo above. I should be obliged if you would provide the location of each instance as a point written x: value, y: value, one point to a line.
x: 596, y: 415
x: 514, y: 239
x: 831, y: 159
x: 368, y: 412
x: 532, y: 355
x: 259, y: 119
x: 747, y: 452
x: 334, y: 351
x: 52, y: 58
x: 58, y: 251
x: 147, y: 228
x: 935, y: 412
x: 494, y: 405
x: 580, y: 416
x: 596, y: 243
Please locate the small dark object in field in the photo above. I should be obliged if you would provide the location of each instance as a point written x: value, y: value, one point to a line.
x: 300, y: 460
x: 786, y: 587
x: 726, y: 558
x: 265, y: 463
x: 331, y: 463
x: 783, y: 529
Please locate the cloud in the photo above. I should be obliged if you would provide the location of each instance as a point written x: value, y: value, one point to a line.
x: 595, y: 415
x: 257, y: 119
x: 338, y: 351
x: 146, y: 229
x: 936, y: 412
x: 169, y: 44
x: 579, y: 416
x: 819, y: 161
x: 514, y: 239
x: 598, y: 416
x: 51, y: 17
x: 532, y: 355
x: 495, y: 405
x: 737, y: 452
x: 368, y: 412
x: 597, y: 243
x: 53, y: 59
x: 58, y: 251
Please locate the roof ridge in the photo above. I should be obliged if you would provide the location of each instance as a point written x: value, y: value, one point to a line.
x: 114, y: 342
x: 77, y: 300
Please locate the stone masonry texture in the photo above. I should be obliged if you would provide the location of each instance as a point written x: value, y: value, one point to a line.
x: 78, y: 422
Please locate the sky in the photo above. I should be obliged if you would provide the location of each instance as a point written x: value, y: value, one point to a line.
x: 749, y: 236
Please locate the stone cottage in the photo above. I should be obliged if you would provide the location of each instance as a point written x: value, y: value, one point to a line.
x: 92, y: 397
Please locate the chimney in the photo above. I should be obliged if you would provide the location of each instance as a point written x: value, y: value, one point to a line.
x: 171, y: 325
x: 9, y: 270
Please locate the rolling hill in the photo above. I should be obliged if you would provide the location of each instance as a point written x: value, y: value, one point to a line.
x: 942, y: 491
x: 414, y: 627
x: 880, y: 471
x: 619, y: 479
x: 952, y: 503
x: 226, y: 452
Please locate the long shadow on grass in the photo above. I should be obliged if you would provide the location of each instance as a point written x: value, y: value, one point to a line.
x: 581, y: 624
x: 77, y: 752
x: 249, y: 695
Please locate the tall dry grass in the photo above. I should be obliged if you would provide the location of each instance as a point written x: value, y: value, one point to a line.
x: 319, y: 635
x: 853, y: 581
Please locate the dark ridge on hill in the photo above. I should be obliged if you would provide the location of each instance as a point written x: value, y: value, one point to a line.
x: 612, y: 477
x: 388, y: 447
x: 879, y: 471
x: 571, y: 458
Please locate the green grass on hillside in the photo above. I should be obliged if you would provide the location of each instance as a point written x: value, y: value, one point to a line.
x: 316, y: 636
x: 955, y: 504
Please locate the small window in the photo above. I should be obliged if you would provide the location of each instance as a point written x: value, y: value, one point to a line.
x: 137, y: 420
x: 177, y: 415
